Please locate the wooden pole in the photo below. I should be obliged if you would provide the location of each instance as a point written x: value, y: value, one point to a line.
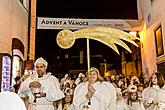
x: 88, y: 57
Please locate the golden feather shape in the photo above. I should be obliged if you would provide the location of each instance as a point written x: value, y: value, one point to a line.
x: 107, y: 36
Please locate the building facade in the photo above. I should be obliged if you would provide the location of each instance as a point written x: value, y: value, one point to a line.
x: 152, y: 36
x: 14, y: 34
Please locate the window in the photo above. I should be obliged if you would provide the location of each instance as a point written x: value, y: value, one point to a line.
x: 159, y: 41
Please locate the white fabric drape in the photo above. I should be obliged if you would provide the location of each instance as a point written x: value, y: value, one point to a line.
x: 104, y: 97
x: 11, y: 101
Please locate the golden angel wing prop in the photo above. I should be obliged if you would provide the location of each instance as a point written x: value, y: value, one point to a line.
x: 108, y: 36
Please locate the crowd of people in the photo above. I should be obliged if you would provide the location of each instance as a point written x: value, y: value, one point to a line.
x: 90, y: 91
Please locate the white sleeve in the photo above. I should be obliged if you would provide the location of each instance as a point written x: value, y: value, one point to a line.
x: 145, y: 96
x: 79, y: 95
x: 106, y: 95
x: 24, y: 89
x: 112, y: 105
x: 53, y: 92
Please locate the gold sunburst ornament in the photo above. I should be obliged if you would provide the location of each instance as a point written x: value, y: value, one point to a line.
x: 108, y: 36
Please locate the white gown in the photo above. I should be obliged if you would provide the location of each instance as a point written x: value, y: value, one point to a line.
x: 158, y: 96
x: 121, y: 105
x: 11, y: 101
x: 136, y: 106
x: 104, y: 97
x: 50, y: 86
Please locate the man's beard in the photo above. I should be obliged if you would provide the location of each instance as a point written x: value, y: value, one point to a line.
x: 40, y: 73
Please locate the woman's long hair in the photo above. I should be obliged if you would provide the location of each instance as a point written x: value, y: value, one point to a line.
x: 160, y: 79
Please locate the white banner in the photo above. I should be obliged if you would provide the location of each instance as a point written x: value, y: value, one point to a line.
x: 69, y: 23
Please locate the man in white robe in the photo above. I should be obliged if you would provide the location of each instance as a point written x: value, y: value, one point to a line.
x: 46, y: 85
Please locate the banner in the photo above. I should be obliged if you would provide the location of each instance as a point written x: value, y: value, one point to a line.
x: 69, y: 23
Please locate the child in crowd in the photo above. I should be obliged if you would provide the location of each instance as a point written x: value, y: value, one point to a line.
x: 120, y: 102
x: 140, y: 89
x: 125, y: 94
x: 133, y: 102
x: 68, y: 99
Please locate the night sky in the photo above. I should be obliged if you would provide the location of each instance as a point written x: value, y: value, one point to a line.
x: 47, y: 47
x: 94, y: 9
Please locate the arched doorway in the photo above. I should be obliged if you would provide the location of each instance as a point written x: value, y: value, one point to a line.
x: 17, y: 57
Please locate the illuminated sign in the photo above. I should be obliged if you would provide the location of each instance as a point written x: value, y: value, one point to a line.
x: 69, y: 23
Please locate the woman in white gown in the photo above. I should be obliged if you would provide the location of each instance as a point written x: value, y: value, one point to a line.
x: 94, y: 94
x: 154, y: 95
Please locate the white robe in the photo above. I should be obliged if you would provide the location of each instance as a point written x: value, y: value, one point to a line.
x: 158, y: 96
x: 121, y: 105
x: 136, y: 106
x: 50, y: 86
x: 11, y: 101
x: 104, y: 97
